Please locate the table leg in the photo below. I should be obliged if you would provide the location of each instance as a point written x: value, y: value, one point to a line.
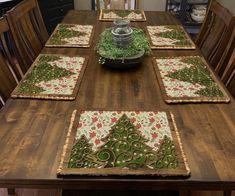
x: 227, y: 193
x: 11, y: 192
x: 184, y: 193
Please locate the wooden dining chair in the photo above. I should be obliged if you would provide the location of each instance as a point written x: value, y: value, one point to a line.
x: 9, y: 73
x: 228, y: 76
x: 225, y: 68
x: 117, y: 4
x: 28, y: 30
x: 7, y: 82
x: 225, y: 65
x: 215, y: 32
x: 8, y: 49
x: 231, y: 83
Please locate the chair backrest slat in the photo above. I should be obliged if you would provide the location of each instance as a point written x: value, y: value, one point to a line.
x: 10, y: 56
x: 231, y: 70
x: 7, y: 81
x: 215, y: 32
x: 8, y: 49
x: 231, y: 83
x: 226, y: 63
x: 28, y: 30
x: 10, y: 72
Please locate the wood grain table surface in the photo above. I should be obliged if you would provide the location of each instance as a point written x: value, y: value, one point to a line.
x: 32, y: 132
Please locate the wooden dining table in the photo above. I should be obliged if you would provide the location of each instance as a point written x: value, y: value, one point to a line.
x: 33, y: 131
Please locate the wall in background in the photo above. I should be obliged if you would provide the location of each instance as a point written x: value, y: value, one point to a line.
x: 230, y: 4
x: 151, y: 5
x: 148, y: 5
x: 82, y: 4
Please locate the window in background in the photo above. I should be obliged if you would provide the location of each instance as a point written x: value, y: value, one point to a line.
x: 115, y: 4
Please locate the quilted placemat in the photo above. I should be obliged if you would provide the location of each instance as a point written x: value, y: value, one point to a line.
x: 169, y: 37
x: 188, y: 79
x: 52, y: 77
x: 132, y: 15
x: 71, y: 35
x: 123, y: 143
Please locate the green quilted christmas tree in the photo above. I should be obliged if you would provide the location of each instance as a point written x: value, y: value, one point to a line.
x: 43, y: 71
x: 81, y: 155
x: 166, y: 155
x: 198, y: 74
x: 124, y: 147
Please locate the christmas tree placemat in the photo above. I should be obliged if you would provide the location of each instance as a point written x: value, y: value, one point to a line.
x: 52, y: 77
x: 71, y: 35
x: 132, y: 15
x: 188, y: 79
x: 123, y: 143
x: 169, y: 37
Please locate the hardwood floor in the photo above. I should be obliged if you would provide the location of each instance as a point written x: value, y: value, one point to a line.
x: 119, y: 193
x: 206, y: 193
x: 144, y: 193
x: 55, y: 192
x: 33, y: 192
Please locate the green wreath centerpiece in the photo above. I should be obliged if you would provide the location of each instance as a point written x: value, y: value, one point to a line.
x: 119, y: 57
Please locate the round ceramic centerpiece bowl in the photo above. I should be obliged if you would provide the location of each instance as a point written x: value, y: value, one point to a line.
x: 197, y: 17
x: 122, y: 33
x: 199, y: 12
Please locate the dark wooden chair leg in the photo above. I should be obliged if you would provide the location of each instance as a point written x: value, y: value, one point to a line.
x: 184, y: 193
x: 227, y: 193
x: 11, y: 192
